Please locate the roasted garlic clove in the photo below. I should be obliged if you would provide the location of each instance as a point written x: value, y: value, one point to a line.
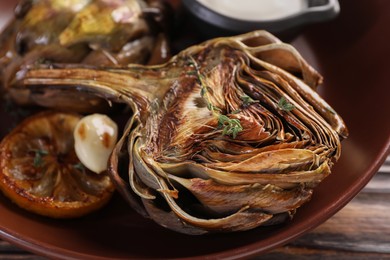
x: 95, y: 137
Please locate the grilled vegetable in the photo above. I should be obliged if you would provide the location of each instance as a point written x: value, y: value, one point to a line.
x: 227, y: 136
x: 96, y: 32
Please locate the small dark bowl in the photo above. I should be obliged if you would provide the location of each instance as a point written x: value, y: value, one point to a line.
x: 212, y: 23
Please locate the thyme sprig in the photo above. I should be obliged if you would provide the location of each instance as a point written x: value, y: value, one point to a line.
x: 247, y: 100
x: 229, y: 126
x: 38, y: 158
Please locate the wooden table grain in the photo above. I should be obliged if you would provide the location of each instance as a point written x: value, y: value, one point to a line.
x: 361, y: 230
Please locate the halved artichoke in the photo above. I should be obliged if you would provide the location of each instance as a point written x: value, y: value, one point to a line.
x: 227, y: 136
x: 95, y: 32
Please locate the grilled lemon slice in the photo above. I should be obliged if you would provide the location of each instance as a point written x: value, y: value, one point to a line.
x: 40, y: 172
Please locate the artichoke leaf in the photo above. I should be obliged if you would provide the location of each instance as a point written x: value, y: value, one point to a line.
x: 219, y: 154
x: 137, y: 186
x: 128, y: 188
x: 225, y: 199
x: 244, y: 219
x: 277, y: 161
x: 288, y: 58
x: 144, y: 172
x: 283, y: 180
x: 168, y: 219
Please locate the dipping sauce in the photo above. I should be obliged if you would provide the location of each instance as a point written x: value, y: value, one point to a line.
x: 255, y: 10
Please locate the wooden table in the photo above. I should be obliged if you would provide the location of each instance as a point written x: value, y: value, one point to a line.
x: 361, y: 230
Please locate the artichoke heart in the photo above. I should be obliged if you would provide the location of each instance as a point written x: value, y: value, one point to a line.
x: 228, y: 135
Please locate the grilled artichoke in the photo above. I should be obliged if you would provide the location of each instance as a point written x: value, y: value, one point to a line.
x: 96, y: 32
x: 227, y: 136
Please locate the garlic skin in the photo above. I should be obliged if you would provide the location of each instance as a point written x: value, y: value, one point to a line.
x: 95, y: 137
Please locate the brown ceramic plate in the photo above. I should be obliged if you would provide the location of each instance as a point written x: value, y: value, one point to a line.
x: 352, y: 52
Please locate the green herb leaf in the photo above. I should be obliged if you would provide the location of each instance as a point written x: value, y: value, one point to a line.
x: 79, y: 166
x: 210, y: 106
x: 222, y: 119
x: 229, y: 126
x: 247, y: 100
x: 38, y: 159
x: 285, y: 105
x: 203, y: 92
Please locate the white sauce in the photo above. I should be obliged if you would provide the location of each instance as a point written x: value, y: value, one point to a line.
x: 255, y: 10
